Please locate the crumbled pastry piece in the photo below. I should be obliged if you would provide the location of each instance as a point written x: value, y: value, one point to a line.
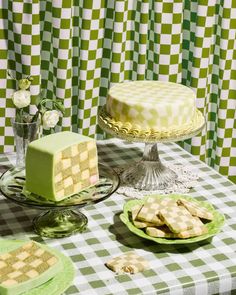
x: 129, y: 262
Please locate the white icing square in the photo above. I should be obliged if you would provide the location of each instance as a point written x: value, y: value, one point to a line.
x: 75, y: 169
x: 68, y: 181
x: 58, y: 177
x: 66, y: 163
x: 85, y: 174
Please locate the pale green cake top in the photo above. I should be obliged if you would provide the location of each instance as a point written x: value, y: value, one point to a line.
x: 58, y: 141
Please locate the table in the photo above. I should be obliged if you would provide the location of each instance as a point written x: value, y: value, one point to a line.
x: 201, y: 268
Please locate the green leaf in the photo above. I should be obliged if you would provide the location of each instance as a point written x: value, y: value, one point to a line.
x: 38, y: 99
x: 59, y: 106
x: 9, y: 73
x: 30, y: 78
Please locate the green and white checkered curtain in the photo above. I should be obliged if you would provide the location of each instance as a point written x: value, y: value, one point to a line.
x: 77, y: 49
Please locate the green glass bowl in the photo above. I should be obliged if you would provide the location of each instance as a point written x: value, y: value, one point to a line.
x: 214, y: 226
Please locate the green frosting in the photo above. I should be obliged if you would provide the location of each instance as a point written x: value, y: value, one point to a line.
x: 40, y: 161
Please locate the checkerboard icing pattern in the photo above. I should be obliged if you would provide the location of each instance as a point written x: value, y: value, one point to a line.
x: 76, y: 168
x: 23, y: 264
x: 206, y: 267
x: 168, y: 105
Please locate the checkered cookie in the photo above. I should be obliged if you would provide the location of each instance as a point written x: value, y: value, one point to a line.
x: 135, y: 210
x: 195, y: 210
x: 161, y: 202
x: 152, y: 206
x: 148, y: 213
x: 198, y: 230
x: 177, y: 218
x: 130, y: 262
x: 160, y: 232
x: 26, y: 267
x: 142, y: 224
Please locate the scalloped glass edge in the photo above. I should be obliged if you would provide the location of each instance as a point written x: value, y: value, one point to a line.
x: 106, y: 122
x: 214, y: 226
x: 82, y: 198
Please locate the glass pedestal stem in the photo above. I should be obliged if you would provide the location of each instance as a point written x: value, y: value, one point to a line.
x: 59, y: 223
x: 149, y: 173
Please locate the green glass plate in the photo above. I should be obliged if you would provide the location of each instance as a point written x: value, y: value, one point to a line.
x: 214, y: 226
x: 55, y: 286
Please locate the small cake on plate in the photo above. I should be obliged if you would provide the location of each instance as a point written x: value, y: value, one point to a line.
x: 60, y: 165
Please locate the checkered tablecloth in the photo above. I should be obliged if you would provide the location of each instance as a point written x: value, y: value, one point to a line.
x: 207, y: 267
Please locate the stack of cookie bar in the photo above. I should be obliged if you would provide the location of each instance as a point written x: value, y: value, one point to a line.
x: 171, y: 218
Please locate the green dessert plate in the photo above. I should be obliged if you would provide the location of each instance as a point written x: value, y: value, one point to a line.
x: 55, y: 286
x: 213, y: 226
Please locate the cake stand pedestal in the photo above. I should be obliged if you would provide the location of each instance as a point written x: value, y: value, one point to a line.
x: 58, y: 219
x: 59, y: 223
x: 149, y: 173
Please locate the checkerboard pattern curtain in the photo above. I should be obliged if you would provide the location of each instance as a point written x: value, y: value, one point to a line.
x: 77, y: 49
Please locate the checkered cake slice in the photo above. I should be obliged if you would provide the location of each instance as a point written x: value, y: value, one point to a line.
x: 61, y: 164
x: 75, y: 169
x: 129, y: 262
x: 177, y: 218
x: 26, y: 268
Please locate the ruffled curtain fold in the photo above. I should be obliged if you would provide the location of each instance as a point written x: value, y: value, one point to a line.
x: 76, y: 50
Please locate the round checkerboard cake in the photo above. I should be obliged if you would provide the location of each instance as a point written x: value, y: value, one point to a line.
x: 151, y: 104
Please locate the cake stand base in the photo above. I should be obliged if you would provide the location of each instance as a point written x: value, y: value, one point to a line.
x: 149, y: 173
x: 59, y: 223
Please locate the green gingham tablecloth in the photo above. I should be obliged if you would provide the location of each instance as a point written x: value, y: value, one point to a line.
x: 201, y: 268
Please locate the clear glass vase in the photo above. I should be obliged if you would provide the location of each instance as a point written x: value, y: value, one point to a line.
x: 24, y: 133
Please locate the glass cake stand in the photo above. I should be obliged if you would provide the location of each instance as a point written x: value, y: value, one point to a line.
x: 149, y: 173
x: 59, y: 220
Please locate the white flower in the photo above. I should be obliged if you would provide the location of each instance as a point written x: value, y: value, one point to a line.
x: 21, y: 98
x: 24, y: 84
x: 50, y: 119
